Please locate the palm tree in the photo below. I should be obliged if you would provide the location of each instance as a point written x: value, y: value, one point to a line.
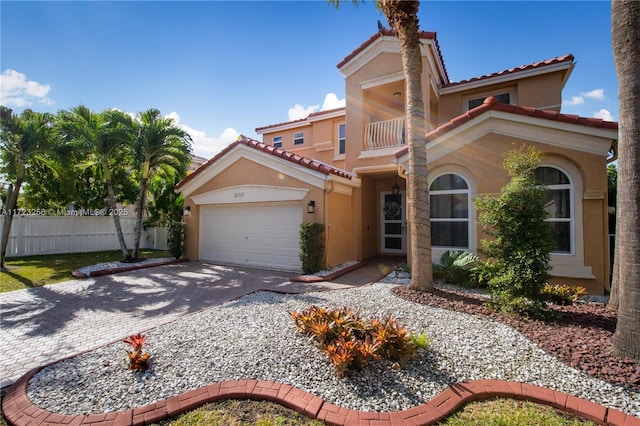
x: 161, y: 148
x: 625, y: 35
x: 24, y: 142
x: 403, y: 17
x: 106, y: 138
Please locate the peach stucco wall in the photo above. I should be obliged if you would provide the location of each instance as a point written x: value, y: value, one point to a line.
x: 376, y: 103
x: 338, y: 230
x: 247, y: 172
x: 320, y: 140
x: 542, y: 91
x: 482, y: 161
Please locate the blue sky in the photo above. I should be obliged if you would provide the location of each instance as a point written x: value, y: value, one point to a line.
x: 222, y: 68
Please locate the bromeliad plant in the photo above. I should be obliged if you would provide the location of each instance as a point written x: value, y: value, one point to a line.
x: 351, y: 342
x: 138, y: 361
x: 561, y: 294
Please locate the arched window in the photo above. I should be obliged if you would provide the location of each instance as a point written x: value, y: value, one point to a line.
x: 449, y: 200
x: 559, y: 206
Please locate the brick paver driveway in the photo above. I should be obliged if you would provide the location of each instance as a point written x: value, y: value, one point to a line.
x: 45, y: 324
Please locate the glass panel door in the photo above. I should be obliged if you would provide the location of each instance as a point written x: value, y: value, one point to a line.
x: 393, y: 224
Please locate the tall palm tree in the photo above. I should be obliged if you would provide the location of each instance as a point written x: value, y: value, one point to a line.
x: 24, y: 142
x: 403, y: 17
x: 625, y: 35
x: 161, y: 148
x: 106, y: 137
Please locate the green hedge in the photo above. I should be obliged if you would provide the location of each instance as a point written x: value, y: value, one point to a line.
x: 311, y: 247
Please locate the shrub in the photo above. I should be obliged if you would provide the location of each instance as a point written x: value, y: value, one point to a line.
x: 521, y: 238
x: 311, y: 247
x: 403, y: 268
x: 350, y: 342
x: 138, y: 361
x: 481, y: 274
x: 455, y: 267
x: 175, y: 238
x: 561, y: 294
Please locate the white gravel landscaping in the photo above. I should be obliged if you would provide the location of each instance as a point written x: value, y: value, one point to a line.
x: 255, y: 338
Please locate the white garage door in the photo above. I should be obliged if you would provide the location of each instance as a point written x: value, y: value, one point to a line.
x: 262, y: 236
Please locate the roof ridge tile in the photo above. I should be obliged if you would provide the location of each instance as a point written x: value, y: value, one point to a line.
x: 306, y: 162
x: 556, y: 60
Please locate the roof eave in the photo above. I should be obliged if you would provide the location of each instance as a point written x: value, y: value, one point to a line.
x: 566, y: 66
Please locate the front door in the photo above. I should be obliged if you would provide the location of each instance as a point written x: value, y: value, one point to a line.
x: 393, y: 224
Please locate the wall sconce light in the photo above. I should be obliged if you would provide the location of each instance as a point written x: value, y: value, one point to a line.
x: 395, y: 189
x: 187, y: 211
x: 311, y: 206
x: 397, y: 95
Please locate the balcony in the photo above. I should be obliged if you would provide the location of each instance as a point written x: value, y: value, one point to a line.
x: 384, y: 134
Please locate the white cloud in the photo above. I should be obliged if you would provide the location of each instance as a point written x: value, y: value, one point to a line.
x: 300, y: 111
x: 595, y: 94
x: 575, y: 100
x: 16, y: 90
x: 331, y: 101
x: 203, y: 145
x: 604, y: 114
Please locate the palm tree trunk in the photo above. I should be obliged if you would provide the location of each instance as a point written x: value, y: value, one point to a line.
x: 12, y: 204
x: 139, y: 213
x: 402, y: 15
x: 614, y: 298
x: 114, y: 209
x: 625, y: 34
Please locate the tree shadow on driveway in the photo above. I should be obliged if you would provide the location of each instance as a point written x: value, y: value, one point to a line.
x: 154, y: 294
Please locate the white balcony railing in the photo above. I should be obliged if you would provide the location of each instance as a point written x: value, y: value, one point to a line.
x: 384, y: 134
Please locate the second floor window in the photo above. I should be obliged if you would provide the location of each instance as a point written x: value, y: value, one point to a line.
x: 277, y: 141
x: 503, y: 98
x: 298, y: 138
x: 342, y: 139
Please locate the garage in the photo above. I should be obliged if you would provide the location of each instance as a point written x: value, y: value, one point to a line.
x: 264, y: 236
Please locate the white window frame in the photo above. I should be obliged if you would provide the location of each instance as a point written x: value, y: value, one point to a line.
x: 570, y: 219
x: 338, y: 155
x: 571, y: 264
x: 298, y: 138
x: 277, y: 141
x: 471, y: 191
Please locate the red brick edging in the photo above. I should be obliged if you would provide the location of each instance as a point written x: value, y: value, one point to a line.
x: 19, y: 410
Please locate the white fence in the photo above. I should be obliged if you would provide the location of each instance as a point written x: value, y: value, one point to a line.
x: 33, y: 235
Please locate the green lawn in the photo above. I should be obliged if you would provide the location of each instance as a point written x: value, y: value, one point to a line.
x: 511, y: 412
x: 35, y: 271
x: 498, y: 412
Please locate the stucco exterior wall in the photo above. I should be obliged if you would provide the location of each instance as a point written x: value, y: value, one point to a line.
x: 541, y: 91
x: 320, y: 140
x: 238, y: 174
x: 339, y: 229
x: 377, y: 103
x: 481, y: 161
x: 370, y: 224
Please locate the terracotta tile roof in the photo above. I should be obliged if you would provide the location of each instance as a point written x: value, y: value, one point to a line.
x: 269, y: 149
x: 300, y: 120
x: 491, y: 104
x: 556, y: 60
x: 426, y: 35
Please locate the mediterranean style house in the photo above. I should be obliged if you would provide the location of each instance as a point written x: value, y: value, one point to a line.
x: 346, y: 168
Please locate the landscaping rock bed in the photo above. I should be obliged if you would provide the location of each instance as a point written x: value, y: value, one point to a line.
x: 581, y: 338
x: 254, y: 337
